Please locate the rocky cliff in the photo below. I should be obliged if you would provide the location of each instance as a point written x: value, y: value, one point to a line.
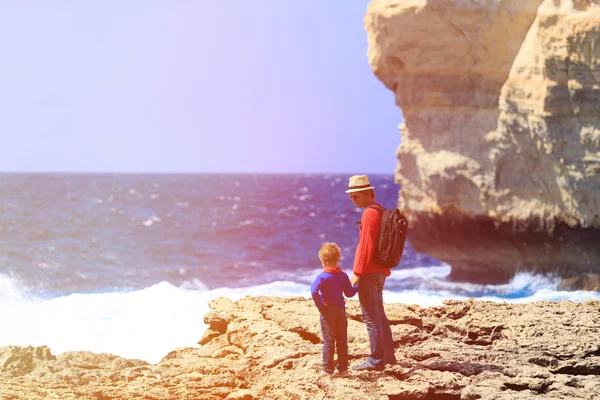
x: 499, y: 162
x: 269, y: 348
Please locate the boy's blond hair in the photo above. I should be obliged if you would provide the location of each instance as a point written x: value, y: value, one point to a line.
x: 330, y: 253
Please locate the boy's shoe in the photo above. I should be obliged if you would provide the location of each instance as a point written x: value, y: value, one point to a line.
x: 344, y: 374
x: 367, y: 366
x: 325, y: 373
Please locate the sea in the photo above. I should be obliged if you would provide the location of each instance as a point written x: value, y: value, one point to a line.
x: 127, y: 263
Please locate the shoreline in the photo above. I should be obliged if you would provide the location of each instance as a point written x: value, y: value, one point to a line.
x: 167, y: 317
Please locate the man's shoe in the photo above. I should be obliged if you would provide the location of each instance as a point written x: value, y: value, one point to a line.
x: 391, y: 362
x: 367, y: 366
x: 344, y: 374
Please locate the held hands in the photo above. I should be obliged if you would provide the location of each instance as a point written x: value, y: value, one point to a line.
x: 354, y: 279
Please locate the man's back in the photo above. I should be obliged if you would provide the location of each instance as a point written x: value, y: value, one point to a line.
x: 364, y: 260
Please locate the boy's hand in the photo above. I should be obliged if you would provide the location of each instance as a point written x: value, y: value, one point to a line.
x: 354, y: 279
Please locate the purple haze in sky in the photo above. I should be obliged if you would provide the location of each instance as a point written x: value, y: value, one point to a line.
x: 192, y: 86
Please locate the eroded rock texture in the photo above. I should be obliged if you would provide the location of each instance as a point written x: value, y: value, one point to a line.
x: 499, y: 164
x: 268, y: 348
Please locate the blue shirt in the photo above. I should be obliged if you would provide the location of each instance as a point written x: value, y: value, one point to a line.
x: 328, y: 287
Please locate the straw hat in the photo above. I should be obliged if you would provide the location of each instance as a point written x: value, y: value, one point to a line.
x: 358, y: 183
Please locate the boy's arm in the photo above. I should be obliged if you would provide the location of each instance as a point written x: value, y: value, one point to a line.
x: 314, y: 292
x: 349, y: 290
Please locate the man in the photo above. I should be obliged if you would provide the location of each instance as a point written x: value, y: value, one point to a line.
x: 370, y: 277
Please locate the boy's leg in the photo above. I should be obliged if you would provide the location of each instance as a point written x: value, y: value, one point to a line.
x: 328, y: 323
x: 341, y: 340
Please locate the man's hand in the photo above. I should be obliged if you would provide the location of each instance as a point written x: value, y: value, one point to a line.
x: 354, y: 279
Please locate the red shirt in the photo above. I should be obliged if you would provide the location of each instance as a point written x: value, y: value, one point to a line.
x: 370, y: 224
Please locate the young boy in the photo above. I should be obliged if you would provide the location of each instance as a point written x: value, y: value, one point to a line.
x: 327, y: 291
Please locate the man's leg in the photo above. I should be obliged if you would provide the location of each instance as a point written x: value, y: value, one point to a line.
x: 368, y: 298
x: 328, y: 331
x: 341, y: 340
x: 388, y: 341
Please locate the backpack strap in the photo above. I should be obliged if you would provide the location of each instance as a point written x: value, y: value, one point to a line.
x: 380, y: 209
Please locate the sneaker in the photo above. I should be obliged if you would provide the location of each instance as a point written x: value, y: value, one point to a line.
x: 344, y: 374
x: 391, y: 362
x: 367, y: 366
x: 325, y: 373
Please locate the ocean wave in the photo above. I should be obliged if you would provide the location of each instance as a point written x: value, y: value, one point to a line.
x: 432, y: 282
x: 12, y: 293
x: 428, y: 272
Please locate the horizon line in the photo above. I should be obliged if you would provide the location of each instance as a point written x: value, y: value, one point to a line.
x: 3, y: 172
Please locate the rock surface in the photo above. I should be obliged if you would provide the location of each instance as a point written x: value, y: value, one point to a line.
x: 270, y: 348
x: 499, y: 164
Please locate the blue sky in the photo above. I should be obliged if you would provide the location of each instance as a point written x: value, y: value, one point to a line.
x: 192, y: 86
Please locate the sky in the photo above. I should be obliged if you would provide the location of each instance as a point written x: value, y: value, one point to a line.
x: 193, y: 86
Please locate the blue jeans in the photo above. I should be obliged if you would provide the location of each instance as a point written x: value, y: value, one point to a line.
x: 334, y: 327
x: 370, y: 296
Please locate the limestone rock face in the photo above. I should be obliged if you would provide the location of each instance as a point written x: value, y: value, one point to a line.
x: 270, y: 348
x: 499, y: 163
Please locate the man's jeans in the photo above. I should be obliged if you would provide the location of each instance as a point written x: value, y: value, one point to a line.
x: 334, y: 327
x: 370, y: 295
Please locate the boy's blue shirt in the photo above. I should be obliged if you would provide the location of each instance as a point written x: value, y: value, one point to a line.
x: 329, y: 286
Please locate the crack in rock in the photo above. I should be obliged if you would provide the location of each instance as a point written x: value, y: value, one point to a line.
x: 306, y: 335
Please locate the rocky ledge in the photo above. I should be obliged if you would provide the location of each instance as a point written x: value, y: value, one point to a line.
x: 499, y: 164
x: 270, y: 348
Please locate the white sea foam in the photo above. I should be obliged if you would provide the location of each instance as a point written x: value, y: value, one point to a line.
x: 144, y: 324
x: 425, y: 273
x: 11, y: 293
x: 148, y: 323
x: 150, y: 221
x: 432, y: 272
